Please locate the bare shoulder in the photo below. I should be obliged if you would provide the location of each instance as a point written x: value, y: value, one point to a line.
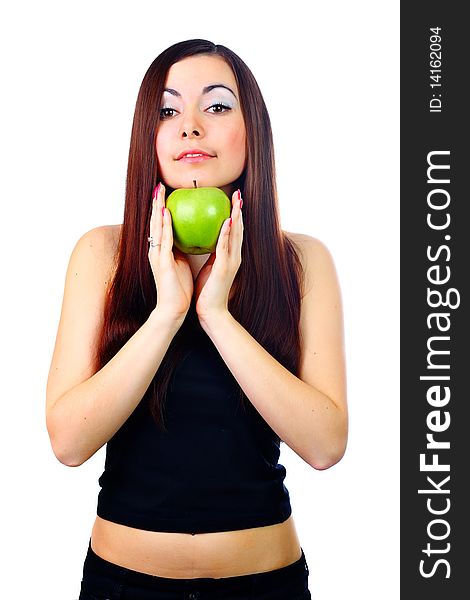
x: 316, y: 259
x: 102, y: 241
x: 100, y: 245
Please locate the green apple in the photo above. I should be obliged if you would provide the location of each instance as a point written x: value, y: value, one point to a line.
x: 197, y: 215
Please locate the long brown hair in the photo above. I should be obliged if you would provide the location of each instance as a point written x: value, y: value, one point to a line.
x: 267, y: 287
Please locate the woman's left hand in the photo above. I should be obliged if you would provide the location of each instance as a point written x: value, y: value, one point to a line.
x: 214, y: 281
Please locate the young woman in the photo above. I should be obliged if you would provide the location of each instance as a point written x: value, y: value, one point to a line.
x: 193, y: 368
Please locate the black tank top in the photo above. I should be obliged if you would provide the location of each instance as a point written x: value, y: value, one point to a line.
x: 214, y: 469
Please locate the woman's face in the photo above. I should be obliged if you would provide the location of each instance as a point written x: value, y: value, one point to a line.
x: 195, y: 115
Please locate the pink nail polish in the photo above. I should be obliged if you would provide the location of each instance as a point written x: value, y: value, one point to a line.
x: 239, y: 194
x: 230, y: 222
x: 156, y: 190
x: 241, y: 203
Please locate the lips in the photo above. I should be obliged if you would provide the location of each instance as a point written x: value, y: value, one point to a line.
x: 194, y: 151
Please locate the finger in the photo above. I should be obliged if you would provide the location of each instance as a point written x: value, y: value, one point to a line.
x: 153, y: 213
x: 223, y: 241
x: 167, y: 232
x: 236, y: 214
x: 236, y: 233
x: 161, y: 195
x: 159, y: 204
x: 236, y: 203
x: 153, y: 224
x: 156, y: 219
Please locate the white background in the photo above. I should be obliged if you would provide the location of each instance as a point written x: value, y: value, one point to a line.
x: 329, y: 76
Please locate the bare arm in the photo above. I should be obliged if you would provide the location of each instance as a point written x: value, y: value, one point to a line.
x: 85, y: 417
x: 308, y: 412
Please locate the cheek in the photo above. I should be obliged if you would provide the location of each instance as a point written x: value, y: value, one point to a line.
x: 158, y: 145
x: 162, y: 147
x: 236, y: 141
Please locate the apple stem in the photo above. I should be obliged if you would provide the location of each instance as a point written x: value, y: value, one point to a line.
x: 195, y: 184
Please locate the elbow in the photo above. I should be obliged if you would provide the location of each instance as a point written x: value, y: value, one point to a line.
x: 68, y: 461
x: 65, y: 456
x: 331, y: 455
x: 327, y: 461
x: 61, y: 449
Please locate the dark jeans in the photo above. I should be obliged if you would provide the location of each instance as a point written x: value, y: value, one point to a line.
x: 103, y: 580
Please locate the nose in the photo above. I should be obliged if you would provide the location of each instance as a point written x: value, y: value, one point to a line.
x: 191, y: 126
x: 194, y: 133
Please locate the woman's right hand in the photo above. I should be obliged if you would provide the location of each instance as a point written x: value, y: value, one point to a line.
x: 170, y: 267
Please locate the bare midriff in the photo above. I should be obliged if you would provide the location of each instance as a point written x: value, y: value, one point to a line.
x: 185, y: 556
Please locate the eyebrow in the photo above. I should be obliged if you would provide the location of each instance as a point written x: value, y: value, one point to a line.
x: 205, y: 90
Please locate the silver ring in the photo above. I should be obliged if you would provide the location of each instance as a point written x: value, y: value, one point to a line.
x: 150, y: 239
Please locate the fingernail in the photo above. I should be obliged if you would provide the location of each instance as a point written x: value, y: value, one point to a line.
x: 239, y: 194
x: 241, y: 203
x: 156, y: 190
x: 230, y: 222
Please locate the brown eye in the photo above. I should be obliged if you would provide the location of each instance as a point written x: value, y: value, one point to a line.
x: 219, y: 104
x: 162, y: 112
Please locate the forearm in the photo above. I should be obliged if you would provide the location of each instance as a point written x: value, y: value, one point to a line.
x: 88, y: 415
x: 307, y: 420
